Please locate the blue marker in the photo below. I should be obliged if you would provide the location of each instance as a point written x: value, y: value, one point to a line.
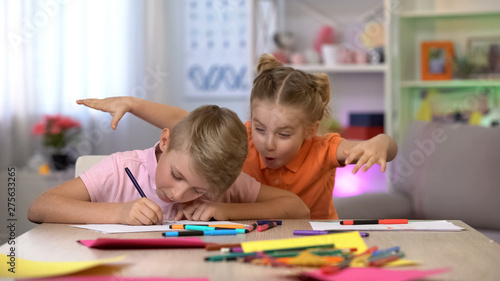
x: 209, y: 228
x: 200, y: 233
x: 384, y: 251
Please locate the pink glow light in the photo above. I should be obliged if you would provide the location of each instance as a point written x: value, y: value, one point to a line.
x: 349, y: 184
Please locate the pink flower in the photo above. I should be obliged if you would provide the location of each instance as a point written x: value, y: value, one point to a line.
x: 38, y: 129
x: 68, y: 123
x: 56, y: 130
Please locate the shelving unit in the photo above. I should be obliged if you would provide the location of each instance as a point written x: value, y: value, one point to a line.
x: 343, y: 68
x: 418, y: 21
x: 304, y: 19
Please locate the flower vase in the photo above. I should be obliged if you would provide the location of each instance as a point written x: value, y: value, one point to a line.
x: 60, y: 161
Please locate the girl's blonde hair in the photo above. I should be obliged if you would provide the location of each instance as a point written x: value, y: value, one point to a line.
x: 292, y: 87
x: 217, y: 144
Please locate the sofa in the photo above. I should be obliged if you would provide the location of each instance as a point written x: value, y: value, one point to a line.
x: 442, y: 171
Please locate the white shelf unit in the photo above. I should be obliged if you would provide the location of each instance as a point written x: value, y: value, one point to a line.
x: 355, y: 88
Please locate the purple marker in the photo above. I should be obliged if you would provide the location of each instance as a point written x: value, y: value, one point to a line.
x: 322, y: 232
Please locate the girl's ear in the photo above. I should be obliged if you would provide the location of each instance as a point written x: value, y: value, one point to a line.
x: 312, y: 130
x: 164, y: 139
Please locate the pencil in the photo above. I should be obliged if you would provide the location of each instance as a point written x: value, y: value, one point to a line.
x: 135, y: 182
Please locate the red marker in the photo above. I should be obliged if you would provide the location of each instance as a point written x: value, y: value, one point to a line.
x: 266, y: 226
x: 387, y: 221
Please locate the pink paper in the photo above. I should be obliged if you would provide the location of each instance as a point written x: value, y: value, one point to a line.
x: 115, y: 278
x: 374, y: 274
x: 154, y: 243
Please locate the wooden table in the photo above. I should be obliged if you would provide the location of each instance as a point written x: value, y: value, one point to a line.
x: 469, y: 254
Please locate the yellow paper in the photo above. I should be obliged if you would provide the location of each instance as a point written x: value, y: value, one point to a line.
x: 341, y: 240
x: 38, y: 269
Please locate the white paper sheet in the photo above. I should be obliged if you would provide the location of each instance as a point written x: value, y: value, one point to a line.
x: 122, y: 228
x: 441, y: 225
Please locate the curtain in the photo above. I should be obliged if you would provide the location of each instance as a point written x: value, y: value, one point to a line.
x: 55, y: 52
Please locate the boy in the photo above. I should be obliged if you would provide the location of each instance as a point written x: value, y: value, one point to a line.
x: 190, y: 167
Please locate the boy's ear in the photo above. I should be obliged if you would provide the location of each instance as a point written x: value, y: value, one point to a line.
x: 312, y: 130
x: 164, y: 139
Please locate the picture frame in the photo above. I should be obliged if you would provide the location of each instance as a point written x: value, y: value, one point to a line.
x: 437, y: 60
x: 484, y: 54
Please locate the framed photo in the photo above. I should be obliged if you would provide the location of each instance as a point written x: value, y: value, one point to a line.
x: 437, y: 60
x: 484, y: 54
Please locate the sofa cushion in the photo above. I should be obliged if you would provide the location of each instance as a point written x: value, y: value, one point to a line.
x: 451, y: 171
x: 388, y: 205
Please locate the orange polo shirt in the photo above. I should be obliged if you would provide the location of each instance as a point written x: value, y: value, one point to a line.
x: 310, y: 175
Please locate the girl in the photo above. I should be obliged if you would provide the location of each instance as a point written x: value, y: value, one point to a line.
x: 287, y: 106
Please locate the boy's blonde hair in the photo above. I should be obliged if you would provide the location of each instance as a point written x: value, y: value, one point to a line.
x: 288, y: 86
x: 217, y: 144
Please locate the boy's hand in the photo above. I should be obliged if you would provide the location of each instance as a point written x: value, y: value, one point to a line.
x: 116, y: 106
x: 368, y: 153
x: 141, y: 212
x: 198, y: 210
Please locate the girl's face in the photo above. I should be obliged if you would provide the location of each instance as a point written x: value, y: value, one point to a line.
x: 176, y: 181
x: 278, y: 132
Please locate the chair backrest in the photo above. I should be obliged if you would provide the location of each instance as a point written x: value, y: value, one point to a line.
x: 84, y: 162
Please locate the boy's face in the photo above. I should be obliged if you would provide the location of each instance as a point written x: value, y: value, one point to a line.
x: 176, y: 181
x: 278, y: 132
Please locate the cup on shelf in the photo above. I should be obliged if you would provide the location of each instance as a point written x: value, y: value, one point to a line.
x: 329, y: 52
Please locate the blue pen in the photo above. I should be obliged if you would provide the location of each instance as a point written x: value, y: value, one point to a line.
x: 135, y: 183
x: 200, y: 233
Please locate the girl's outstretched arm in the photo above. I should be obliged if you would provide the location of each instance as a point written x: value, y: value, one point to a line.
x: 70, y: 203
x: 159, y: 115
x: 379, y: 149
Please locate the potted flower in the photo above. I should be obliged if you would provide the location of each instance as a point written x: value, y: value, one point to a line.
x: 58, y: 131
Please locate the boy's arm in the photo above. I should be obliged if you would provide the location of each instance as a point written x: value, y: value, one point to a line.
x: 271, y: 202
x: 159, y: 115
x: 70, y: 203
x: 379, y: 149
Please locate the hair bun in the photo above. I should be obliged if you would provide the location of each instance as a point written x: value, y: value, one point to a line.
x: 267, y: 61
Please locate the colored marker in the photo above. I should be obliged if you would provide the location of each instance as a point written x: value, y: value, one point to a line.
x: 386, y: 221
x: 302, y: 248
x: 252, y: 227
x: 384, y: 251
x: 135, y: 183
x: 384, y: 260
x: 261, y: 222
x: 200, y: 233
x: 206, y: 228
x: 332, y: 269
x: 227, y: 226
x: 228, y: 256
x: 322, y: 232
x: 232, y: 250
x: 216, y: 247
x: 266, y: 226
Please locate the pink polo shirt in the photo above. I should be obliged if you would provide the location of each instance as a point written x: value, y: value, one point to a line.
x: 107, y: 181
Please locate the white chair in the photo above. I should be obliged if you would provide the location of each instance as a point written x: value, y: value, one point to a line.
x: 84, y: 162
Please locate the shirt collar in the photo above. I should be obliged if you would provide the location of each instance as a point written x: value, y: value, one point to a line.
x: 297, y: 161
x: 152, y: 163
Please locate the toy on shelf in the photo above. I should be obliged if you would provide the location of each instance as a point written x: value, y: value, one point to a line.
x: 363, y: 126
x: 284, y: 42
